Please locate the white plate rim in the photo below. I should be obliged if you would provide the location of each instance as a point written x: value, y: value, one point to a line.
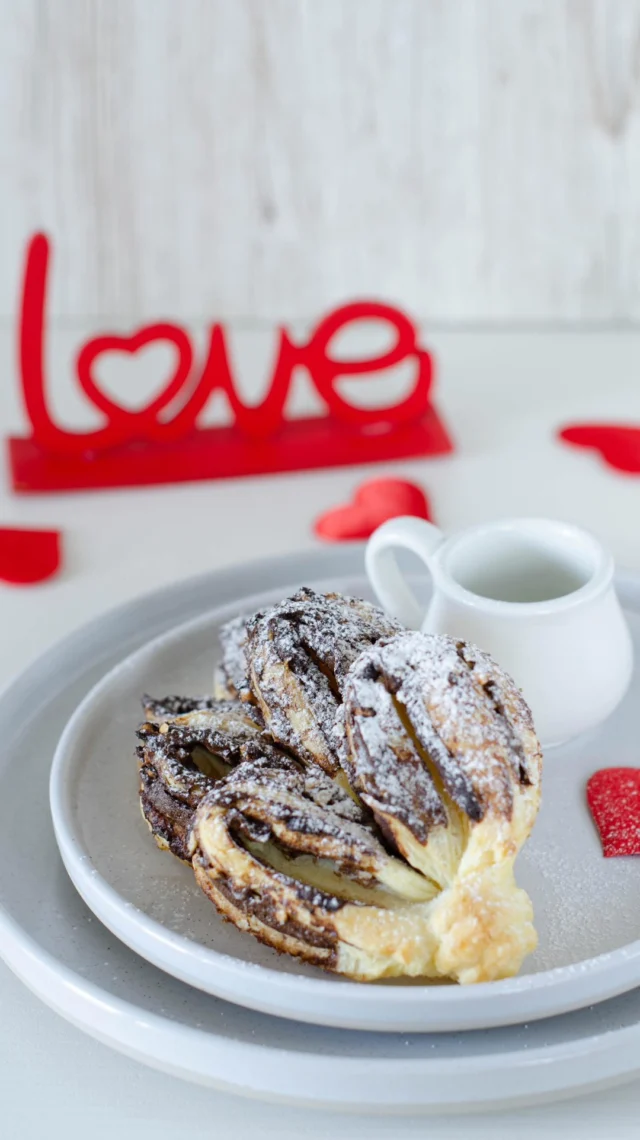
x: 277, y: 1074
x: 545, y: 1073
x: 319, y: 1000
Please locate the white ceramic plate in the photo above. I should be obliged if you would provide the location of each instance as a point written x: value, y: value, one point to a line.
x: 586, y: 907
x: 54, y: 943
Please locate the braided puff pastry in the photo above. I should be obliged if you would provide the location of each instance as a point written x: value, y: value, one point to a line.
x: 298, y: 654
x: 183, y: 755
x: 440, y: 746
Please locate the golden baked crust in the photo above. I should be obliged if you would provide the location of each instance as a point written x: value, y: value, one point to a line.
x: 440, y: 747
x: 298, y: 654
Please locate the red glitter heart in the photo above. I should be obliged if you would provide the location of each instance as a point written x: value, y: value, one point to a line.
x: 373, y: 503
x: 613, y: 795
x: 28, y: 556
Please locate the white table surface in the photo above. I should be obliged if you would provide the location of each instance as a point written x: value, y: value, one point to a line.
x: 502, y: 394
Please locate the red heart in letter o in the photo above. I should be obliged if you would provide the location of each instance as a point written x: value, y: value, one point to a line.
x: 126, y: 422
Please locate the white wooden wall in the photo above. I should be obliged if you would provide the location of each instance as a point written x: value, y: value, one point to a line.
x: 476, y: 160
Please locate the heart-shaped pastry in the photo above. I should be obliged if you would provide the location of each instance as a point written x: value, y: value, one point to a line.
x: 613, y: 795
x: 619, y: 446
x: 374, y: 502
x: 28, y: 556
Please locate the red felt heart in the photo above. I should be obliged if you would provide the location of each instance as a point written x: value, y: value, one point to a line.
x: 613, y: 795
x: 373, y: 503
x: 151, y: 334
x: 619, y: 446
x: 28, y: 556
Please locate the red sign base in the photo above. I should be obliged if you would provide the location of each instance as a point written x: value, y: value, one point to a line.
x: 221, y: 453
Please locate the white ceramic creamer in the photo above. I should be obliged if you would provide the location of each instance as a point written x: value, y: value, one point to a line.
x: 536, y: 594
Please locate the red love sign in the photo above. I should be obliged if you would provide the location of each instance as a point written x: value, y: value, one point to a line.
x: 145, y: 446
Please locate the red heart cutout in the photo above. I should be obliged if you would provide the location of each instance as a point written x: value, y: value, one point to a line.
x: 613, y: 795
x: 28, y: 556
x: 145, y: 420
x: 373, y: 503
x: 618, y: 446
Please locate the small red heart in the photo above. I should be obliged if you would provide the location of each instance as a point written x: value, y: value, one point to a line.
x: 28, y: 556
x: 373, y: 503
x: 619, y: 446
x: 613, y: 795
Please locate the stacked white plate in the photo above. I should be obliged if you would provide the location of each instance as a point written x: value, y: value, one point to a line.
x: 145, y: 964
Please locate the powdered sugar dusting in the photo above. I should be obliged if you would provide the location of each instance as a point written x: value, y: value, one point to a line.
x: 380, y: 758
x: 299, y: 652
x: 465, y: 713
